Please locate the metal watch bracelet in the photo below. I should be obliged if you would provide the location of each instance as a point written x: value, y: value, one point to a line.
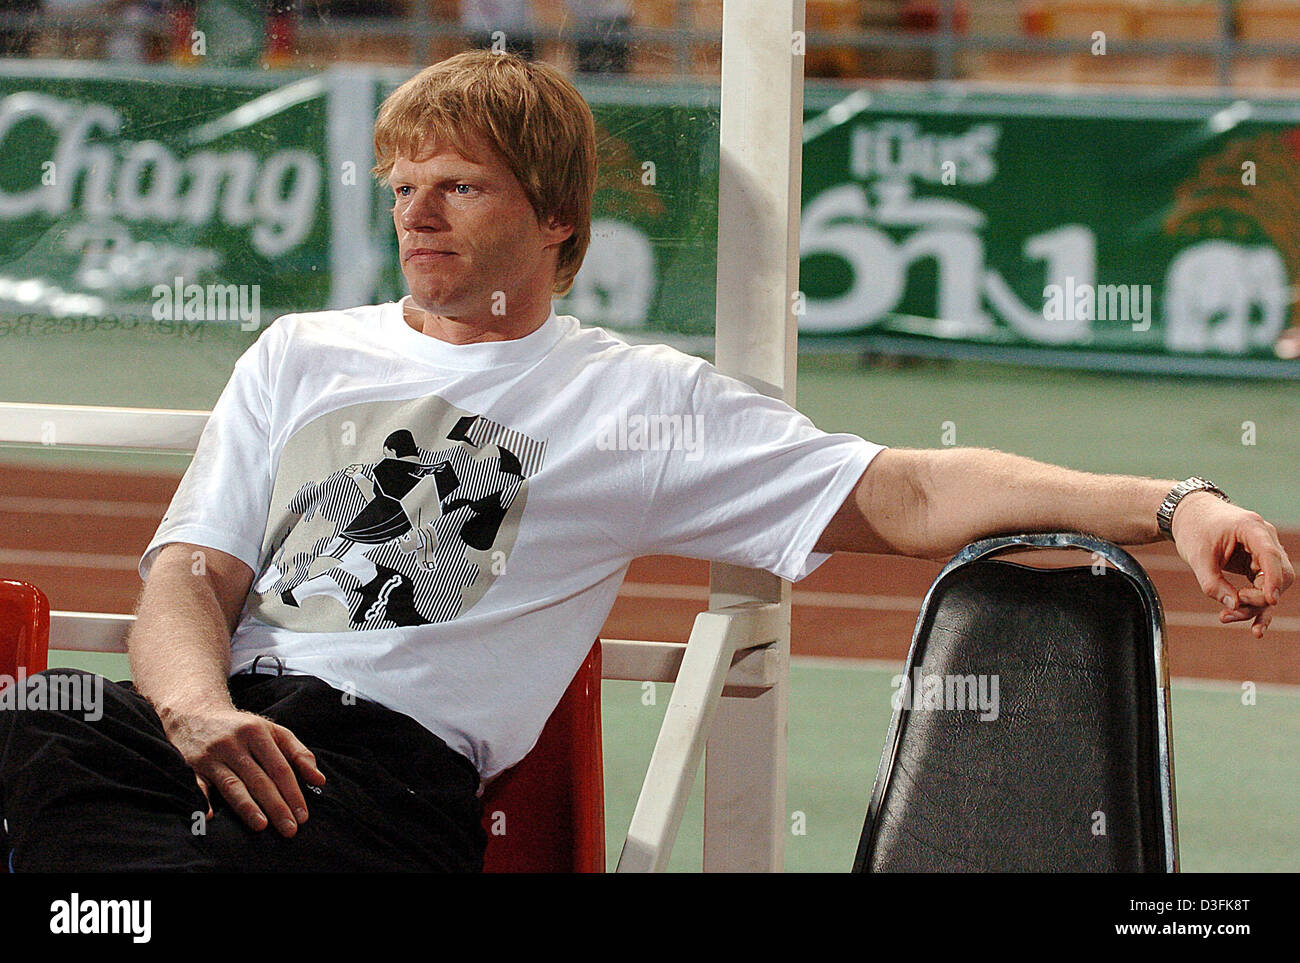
x: 1165, y: 513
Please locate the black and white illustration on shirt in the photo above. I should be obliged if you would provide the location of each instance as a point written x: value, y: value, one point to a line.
x: 413, y: 537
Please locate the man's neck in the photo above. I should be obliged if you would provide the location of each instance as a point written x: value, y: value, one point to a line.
x: 475, y: 330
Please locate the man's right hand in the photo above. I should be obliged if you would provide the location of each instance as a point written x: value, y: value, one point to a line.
x: 249, y: 759
x: 180, y: 661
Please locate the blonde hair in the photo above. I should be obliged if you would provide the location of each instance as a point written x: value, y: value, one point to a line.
x: 530, y: 115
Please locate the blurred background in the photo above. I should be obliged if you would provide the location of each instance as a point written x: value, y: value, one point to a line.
x: 1231, y: 44
x: 1066, y: 229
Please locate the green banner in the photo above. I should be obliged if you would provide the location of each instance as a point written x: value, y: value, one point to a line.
x: 137, y: 199
x: 1098, y: 231
x: 1103, y: 225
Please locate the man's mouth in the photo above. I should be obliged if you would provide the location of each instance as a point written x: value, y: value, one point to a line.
x: 427, y: 254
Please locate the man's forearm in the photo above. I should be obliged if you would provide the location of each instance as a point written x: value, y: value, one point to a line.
x: 969, y: 493
x: 180, y: 656
x: 931, y: 503
x: 180, y: 645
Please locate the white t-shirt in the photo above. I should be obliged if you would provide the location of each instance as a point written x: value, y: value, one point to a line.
x: 443, y: 528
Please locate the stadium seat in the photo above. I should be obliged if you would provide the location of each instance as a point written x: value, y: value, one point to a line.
x: 1270, y: 22
x: 1182, y: 20
x: 832, y: 16
x: 660, y: 58
x: 547, y: 814
x: 1084, y: 22
x: 1065, y: 763
x: 24, y: 627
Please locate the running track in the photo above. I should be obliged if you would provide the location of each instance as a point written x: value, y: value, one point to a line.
x: 78, y: 534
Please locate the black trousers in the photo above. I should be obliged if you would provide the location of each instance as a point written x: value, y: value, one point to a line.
x: 114, y: 795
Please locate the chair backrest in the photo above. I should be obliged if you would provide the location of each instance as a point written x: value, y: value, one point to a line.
x: 547, y: 814
x: 1031, y: 726
x: 24, y: 627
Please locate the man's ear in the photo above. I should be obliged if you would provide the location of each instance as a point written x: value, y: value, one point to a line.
x: 558, y: 231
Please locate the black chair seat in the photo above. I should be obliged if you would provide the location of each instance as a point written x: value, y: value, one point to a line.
x: 1031, y: 731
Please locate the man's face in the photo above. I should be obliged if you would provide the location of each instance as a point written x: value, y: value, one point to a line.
x: 470, y: 244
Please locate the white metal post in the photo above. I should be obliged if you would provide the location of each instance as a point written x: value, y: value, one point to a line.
x: 350, y: 114
x: 758, y: 277
x: 700, y: 682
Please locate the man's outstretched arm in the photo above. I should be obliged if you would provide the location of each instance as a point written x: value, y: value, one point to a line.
x: 180, y: 660
x: 930, y: 503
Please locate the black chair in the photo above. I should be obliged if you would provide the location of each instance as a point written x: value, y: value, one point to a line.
x: 1031, y: 730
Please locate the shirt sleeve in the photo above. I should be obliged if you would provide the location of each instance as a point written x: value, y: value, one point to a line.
x: 224, y: 498
x: 757, y: 485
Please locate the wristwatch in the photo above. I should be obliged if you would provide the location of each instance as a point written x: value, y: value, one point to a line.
x: 1165, y: 513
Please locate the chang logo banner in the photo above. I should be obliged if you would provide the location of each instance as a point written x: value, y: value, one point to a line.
x: 1087, y: 223
x: 110, y: 189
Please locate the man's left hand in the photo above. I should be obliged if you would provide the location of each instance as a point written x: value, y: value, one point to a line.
x: 1216, y: 539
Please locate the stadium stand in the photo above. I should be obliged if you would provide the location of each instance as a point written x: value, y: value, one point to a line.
x: 1245, y: 44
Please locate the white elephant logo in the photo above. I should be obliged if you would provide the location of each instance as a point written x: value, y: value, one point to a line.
x: 1225, y: 297
x: 618, y: 276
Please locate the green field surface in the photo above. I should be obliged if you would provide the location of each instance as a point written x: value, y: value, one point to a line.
x: 1167, y: 427
x: 1235, y: 766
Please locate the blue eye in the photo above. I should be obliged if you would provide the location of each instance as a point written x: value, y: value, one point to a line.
x: 463, y: 189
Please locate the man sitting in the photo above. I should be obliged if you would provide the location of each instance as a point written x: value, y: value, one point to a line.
x: 403, y: 527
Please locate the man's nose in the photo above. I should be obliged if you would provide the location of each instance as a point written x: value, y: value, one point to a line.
x: 423, y: 212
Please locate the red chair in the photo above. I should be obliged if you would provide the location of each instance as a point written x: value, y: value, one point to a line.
x: 544, y: 815
x: 24, y: 627
x: 547, y: 814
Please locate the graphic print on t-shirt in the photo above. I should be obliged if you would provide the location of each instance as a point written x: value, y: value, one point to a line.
x: 391, y: 513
